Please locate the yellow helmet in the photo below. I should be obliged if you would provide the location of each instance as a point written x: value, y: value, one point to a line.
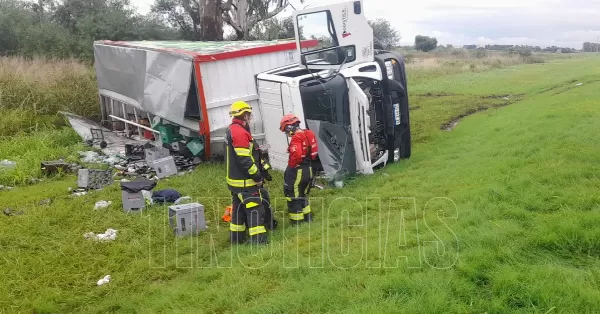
x: 238, y: 108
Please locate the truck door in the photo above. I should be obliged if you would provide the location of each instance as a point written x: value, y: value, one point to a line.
x: 275, y: 100
x: 344, y: 37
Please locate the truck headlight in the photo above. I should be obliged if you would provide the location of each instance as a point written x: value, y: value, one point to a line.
x: 396, y: 154
x: 389, y: 68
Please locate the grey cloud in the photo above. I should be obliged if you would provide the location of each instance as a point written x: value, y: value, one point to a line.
x: 577, y: 22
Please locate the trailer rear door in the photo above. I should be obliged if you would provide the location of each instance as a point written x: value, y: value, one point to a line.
x: 274, y: 99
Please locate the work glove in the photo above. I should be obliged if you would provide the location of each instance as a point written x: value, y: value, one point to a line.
x: 267, y: 176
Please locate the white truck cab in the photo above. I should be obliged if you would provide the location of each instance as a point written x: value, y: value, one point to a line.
x: 353, y: 97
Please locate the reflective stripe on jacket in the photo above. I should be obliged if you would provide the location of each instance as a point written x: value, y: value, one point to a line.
x: 242, y: 157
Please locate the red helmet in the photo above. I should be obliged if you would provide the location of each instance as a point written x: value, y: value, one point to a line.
x: 288, y: 119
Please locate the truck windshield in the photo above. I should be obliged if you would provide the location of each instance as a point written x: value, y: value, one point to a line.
x: 325, y: 100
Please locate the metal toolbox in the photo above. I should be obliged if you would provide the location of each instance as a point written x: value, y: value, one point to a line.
x: 156, y: 152
x: 187, y: 219
x: 164, y: 167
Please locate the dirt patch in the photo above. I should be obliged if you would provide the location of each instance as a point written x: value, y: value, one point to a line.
x: 510, y: 99
x: 574, y: 85
x: 437, y: 95
x: 505, y: 97
x: 450, y: 125
x: 569, y: 84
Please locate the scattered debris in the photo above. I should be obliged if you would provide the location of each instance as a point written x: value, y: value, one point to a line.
x: 166, y: 196
x: 80, y: 193
x: 102, y: 204
x: 3, y: 187
x: 339, y: 184
x: 187, y: 218
x: 10, y: 212
x: 132, y: 195
x: 132, y: 157
x: 35, y: 180
x: 8, y: 164
x: 56, y: 166
x: 182, y: 199
x: 227, y: 214
x: 109, y: 235
x: 104, y: 280
x: 578, y: 84
x: 385, y: 174
x: 148, y: 197
x: 89, y: 157
x: 164, y: 167
x: 46, y: 201
x: 94, y: 178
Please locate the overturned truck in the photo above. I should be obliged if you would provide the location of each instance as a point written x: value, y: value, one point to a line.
x: 353, y: 96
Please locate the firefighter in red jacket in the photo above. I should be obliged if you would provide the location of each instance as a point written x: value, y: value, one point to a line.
x: 299, y: 173
x: 244, y: 178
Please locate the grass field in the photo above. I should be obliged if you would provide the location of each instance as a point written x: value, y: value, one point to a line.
x: 498, y: 215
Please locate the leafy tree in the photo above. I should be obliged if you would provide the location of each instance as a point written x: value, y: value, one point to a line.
x: 590, y: 47
x: 68, y: 28
x: 425, y: 43
x: 272, y: 29
x: 384, y: 34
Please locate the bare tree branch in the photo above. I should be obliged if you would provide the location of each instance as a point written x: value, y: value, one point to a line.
x: 227, y: 18
x: 281, y: 5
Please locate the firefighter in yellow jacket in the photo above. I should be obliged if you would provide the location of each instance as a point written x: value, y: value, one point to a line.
x: 244, y: 178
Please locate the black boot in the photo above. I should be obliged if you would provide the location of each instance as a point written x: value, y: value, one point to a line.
x: 260, y: 238
x: 308, y: 217
x: 237, y: 237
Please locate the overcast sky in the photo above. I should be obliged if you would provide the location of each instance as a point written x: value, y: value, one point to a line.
x: 566, y: 23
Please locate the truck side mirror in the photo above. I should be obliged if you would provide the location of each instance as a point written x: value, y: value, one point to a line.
x: 303, y: 59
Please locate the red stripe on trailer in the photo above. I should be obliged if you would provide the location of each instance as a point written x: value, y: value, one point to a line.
x: 254, y: 51
x: 204, y: 122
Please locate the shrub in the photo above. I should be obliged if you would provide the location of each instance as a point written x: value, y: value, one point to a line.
x: 459, y: 52
x: 481, y: 53
x: 521, y: 51
x: 409, y: 58
x: 533, y: 59
x: 33, y: 91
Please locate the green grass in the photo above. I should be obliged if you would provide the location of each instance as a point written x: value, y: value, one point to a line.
x: 29, y: 151
x: 498, y: 215
x: 33, y: 91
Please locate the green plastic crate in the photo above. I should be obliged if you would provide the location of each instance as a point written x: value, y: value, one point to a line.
x: 169, y: 134
x: 195, y: 146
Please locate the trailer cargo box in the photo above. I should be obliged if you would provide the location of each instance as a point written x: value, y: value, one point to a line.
x: 180, y: 92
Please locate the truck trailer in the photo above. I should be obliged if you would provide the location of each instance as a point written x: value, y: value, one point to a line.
x: 352, y: 95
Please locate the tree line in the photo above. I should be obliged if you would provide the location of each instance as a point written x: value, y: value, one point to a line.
x: 591, y: 47
x: 67, y: 28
